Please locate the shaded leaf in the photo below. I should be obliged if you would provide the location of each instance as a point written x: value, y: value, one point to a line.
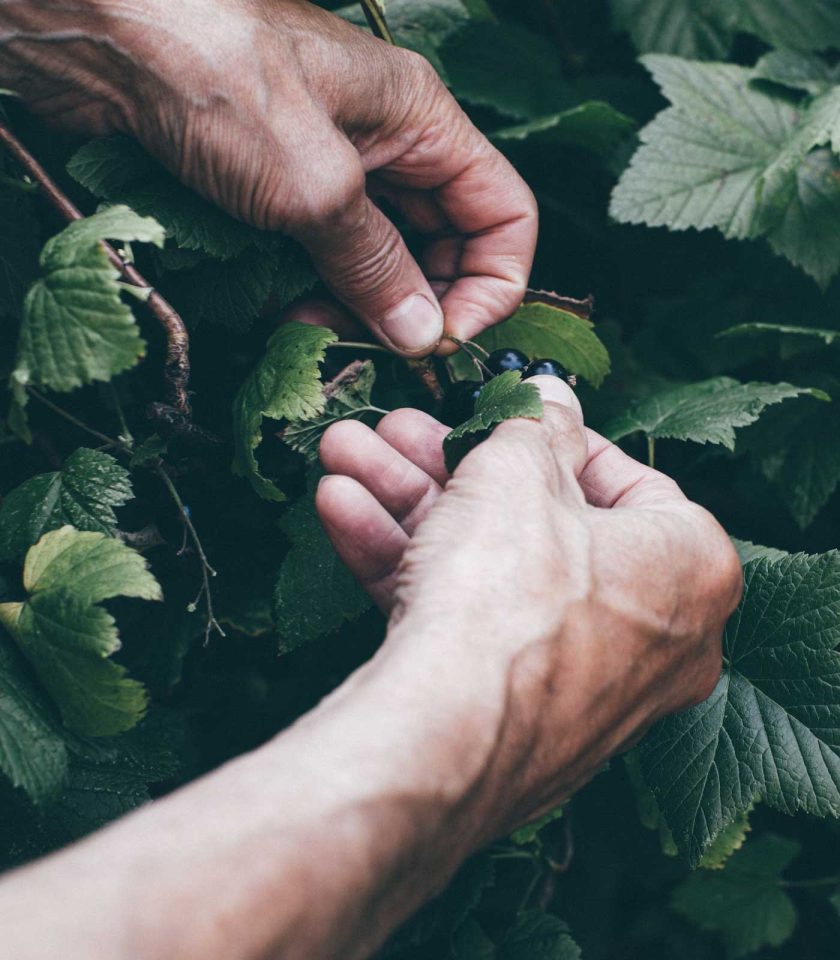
x: 501, y: 399
x: 285, y: 384
x: 84, y: 494
x: 687, y: 28
x: 594, y: 126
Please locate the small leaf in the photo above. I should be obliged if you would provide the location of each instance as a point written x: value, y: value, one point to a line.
x: 285, y: 385
x: 538, y: 936
x: 75, y: 327
x: 744, y: 903
x: 84, y: 494
x: 540, y: 329
x: 594, y: 126
x: 315, y: 592
x: 780, y: 331
x: 771, y: 729
x: 348, y: 395
x: 530, y: 831
x: 147, y: 452
x: 704, y: 412
x: 32, y: 752
x: 68, y: 639
x: 501, y: 399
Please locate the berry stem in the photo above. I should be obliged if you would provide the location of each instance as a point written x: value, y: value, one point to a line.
x: 651, y: 452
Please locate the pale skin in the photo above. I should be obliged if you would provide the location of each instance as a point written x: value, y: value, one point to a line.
x: 514, y: 665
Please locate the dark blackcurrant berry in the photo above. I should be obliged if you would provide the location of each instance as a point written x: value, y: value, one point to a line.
x: 547, y: 368
x: 459, y: 401
x: 500, y: 361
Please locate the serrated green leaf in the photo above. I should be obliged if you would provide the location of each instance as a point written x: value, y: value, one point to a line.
x: 744, y: 903
x: 704, y: 412
x: 149, y: 451
x: 33, y: 754
x: 75, y: 327
x: 538, y: 936
x: 753, y: 551
x: 797, y: 70
x: 84, y: 494
x: 784, y: 23
x: 771, y: 729
x: 780, y: 331
x: 470, y: 942
x: 285, y: 385
x: 501, y: 399
x: 594, y: 126
x: 542, y: 330
x: 346, y: 396
x: 315, y: 592
x: 530, y: 831
x: 731, y: 838
x: 686, y: 28
x: 68, y: 639
x: 119, y: 169
x: 730, y: 155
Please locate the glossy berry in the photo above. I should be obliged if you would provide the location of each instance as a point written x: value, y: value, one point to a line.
x: 500, y: 361
x: 546, y: 368
x: 459, y: 401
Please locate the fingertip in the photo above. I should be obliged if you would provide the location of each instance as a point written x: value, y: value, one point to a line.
x: 557, y: 391
x: 338, y: 439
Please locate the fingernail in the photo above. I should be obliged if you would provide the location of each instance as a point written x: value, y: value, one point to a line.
x: 415, y: 325
x: 556, y: 390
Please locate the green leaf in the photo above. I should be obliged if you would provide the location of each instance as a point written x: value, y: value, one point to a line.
x: 686, y: 28
x: 470, y: 942
x: 799, y: 71
x: 771, y: 729
x: 781, y: 331
x: 530, y: 831
x: 68, y: 639
x: 729, y: 155
x: 285, y: 385
x: 753, y: 551
x: 731, y: 838
x: 32, y: 752
x: 119, y: 169
x: 75, y: 327
x: 348, y: 395
x: 315, y: 592
x: 501, y: 399
x: 541, y: 330
x: 704, y: 412
x: 796, y: 449
x: 744, y: 904
x: 530, y: 85
x: 814, y: 25
x: 84, y: 494
x: 594, y: 126
x: 538, y: 936
x: 147, y: 452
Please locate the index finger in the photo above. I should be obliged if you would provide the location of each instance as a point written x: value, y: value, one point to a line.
x: 488, y: 206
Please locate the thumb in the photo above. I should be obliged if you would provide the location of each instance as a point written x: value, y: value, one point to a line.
x: 361, y: 256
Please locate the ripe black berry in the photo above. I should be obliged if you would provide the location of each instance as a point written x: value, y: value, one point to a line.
x: 459, y: 401
x: 500, y: 361
x: 548, y: 368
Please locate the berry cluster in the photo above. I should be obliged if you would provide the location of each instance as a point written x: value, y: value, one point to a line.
x: 459, y: 402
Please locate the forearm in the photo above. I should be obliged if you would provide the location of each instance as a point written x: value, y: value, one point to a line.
x: 315, y: 845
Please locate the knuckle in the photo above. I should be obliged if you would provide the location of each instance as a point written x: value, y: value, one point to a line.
x: 406, y: 420
x: 418, y: 68
x: 326, y: 200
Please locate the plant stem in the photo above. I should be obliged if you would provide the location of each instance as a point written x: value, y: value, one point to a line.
x: 375, y: 16
x: 358, y: 345
x: 126, y: 433
x: 74, y: 420
x: 206, y: 570
x: 177, y: 368
x: 830, y: 881
x: 651, y: 450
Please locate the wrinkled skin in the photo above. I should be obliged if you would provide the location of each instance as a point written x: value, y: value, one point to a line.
x: 289, y: 118
x: 579, y: 585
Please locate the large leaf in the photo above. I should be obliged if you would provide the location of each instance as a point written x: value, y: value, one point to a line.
x: 68, y: 638
x: 594, y: 126
x: 285, y: 385
x: 315, y: 592
x: 744, y: 903
x: 814, y: 25
x: 534, y: 936
x: 75, y: 328
x: 348, y: 395
x: 83, y: 494
x: 730, y: 155
x: 687, y: 28
x: 32, y: 752
x: 705, y: 412
x: 799, y: 71
x: 540, y: 329
x: 771, y: 729
x: 504, y: 397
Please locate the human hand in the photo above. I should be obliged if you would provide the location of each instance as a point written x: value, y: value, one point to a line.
x: 283, y: 114
x: 572, y: 593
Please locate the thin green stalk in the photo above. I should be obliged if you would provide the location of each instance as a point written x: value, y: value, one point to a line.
x: 651, y: 450
x: 358, y: 345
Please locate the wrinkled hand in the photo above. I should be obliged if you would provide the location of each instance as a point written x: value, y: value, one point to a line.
x: 284, y: 114
x: 577, y: 589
